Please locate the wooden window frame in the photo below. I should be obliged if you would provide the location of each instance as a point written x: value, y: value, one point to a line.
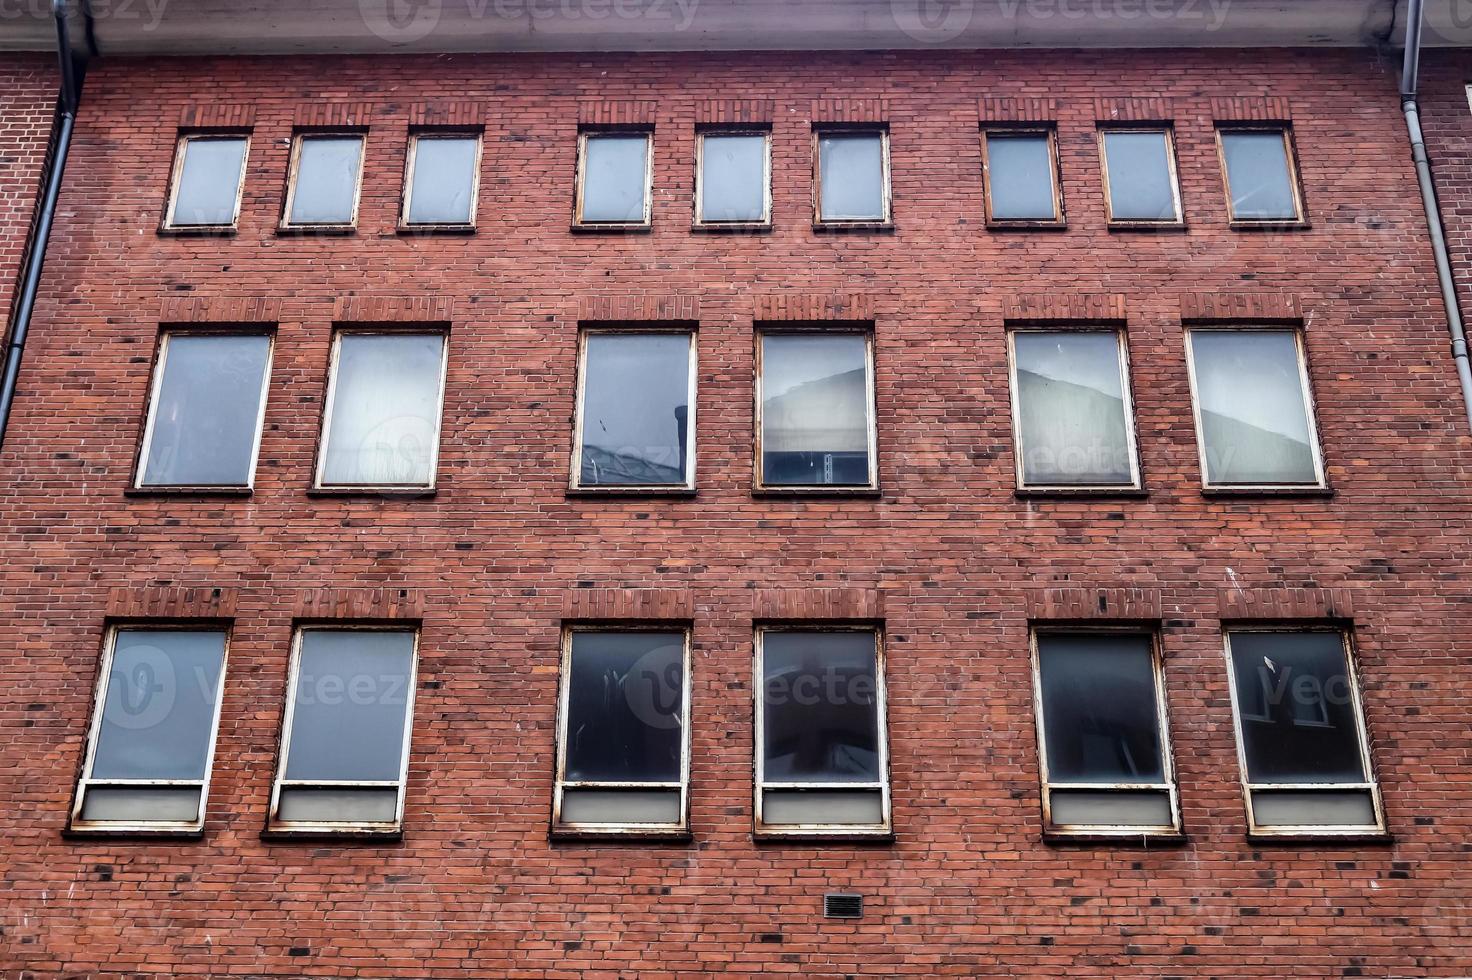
x: 1048, y: 131
x: 1290, y: 155
x: 1172, y: 165
x: 884, y: 223
x: 297, y: 139
x: 579, y: 223
x: 176, y: 173
x: 700, y: 222
x: 410, y: 158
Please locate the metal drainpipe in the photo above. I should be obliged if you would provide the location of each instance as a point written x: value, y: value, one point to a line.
x: 31, y: 285
x: 1410, y: 66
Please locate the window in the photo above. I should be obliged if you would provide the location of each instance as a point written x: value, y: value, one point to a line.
x: 623, y: 735
x: 1262, y: 181
x: 613, y: 179
x: 147, y: 767
x: 853, y: 177
x: 822, y: 764
x: 345, y: 737
x: 326, y: 171
x: 209, y: 174
x: 1300, y: 734
x: 1072, y: 417
x: 205, y: 413
x: 636, y: 410
x: 1254, y: 412
x: 815, y: 411
x: 381, y: 425
x: 1140, y: 177
x: 442, y: 180
x: 733, y: 179
x: 1105, y: 753
x: 1021, y: 171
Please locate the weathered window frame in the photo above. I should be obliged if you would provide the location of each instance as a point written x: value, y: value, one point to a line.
x: 85, y: 781
x: 176, y: 173
x: 560, y: 783
x: 1290, y: 155
x: 634, y: 328
x: 1249, y: 787
x: 712, y: 224
x: 297, y: 139
x: 1050, y: 132
x: 1169, y: 785
x: 1166, y: 129
x: 579, y: 223
x: 410, y: 157
x: 884, y: 223
x: 761, y: 830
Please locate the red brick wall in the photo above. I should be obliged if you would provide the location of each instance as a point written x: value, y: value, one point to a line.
x: 951, y: 557
x: 27, y: 106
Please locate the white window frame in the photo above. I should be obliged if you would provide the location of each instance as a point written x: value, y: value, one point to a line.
x: 297, y: 140
x: 765, y: 221
x: 1168, y: 131
x: 1047, y: 131
x: 177, y: 173
x: 582, y: 224
x: 1290, y: 156
x: 415, y: 138
x: 887, y: 199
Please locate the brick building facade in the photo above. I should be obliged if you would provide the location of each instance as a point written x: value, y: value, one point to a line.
x: 27, y: 107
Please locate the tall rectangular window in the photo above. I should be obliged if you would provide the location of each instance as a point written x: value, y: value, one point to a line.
x: 623, y: 732
x: 636, y: 410
x: 1021, y: 171
x: 614, y: 175
x: 1254, y: 411
x: 852, y: 177
x: 152, y: 739
x: 815, y: 410
x: 1072, y: 416
x: 206, y: 409
x: 381, y: 424
x: 326, y: 174
x: 441, y: 180
x: 733, y: 178
x: 1262, y: 181
x: 1140, y: 186
x: 209, y: 174
x: 345, y: 736
x: 1301, y: 735
x: 1105, y: 752
x: 822, y: 763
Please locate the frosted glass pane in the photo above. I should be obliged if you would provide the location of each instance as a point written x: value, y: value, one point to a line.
x: 312, y: 804
x: 851, y: 176
x: 444, y: 176
x: 385, y: 410
x: 1329, y: 808
x: 1071, y: 404
x: 1140, y: 187
x: 815, y: 410
x: 636, y: 409
x: 822, y: 807
x: 615, y: 178
x: 733, y: 181
x: 139, y: 804
x: 1257, y: 175
x: 620, y: 806
x: 820, y: 707
x: 1084, y: 808
x: 1020, y: 174
x: 1254, y: 421
x: 209, y: 181
x: 326, y: 180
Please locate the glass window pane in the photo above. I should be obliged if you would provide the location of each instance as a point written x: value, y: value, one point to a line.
x: 443, y: 180
x: 615, y: 178
x: 1100, y: 716
x: 209, y: 181
x: 1020, y: 176
x: 815, y: 410
x: 625, y: 696
x: 820, y: 707
x: 1297, y: 708
x: 1140, y: 186
x: 205, y: 414
x: 1070, y: 396
x: 326, y: 180
x: 385, y: 410
x: 851, y: 177
x: 350, y: 705
x: 733, y: 179
x: 1254, y: 422
x: 635, y: 423
x: 1257, y: 175
x: 159, y: 707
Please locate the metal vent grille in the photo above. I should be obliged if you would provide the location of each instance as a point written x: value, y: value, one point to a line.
x: 841, y: 905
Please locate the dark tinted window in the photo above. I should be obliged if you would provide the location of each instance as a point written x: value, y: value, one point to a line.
x: 1258, y: 177
x: 326, y: 180
x: 209, y: 181
x: 443, y: 183
x: 635, y: 419
x: 1100, y: 716
x: 820, y: 707
x: 1020, y: 176
x: 851, y: 177
x: 815, y: 410
x: 1141, y: 187
x: 615, y: 177
x: 624, y: 702
x: 1070, y: 395
x: 733, y: 177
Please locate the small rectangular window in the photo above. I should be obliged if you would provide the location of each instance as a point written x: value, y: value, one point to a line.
x: 209, y: 175
x: 1254, y: 411
x: 326, y: 173
x: 822, y: 762
x: 1105, y: 752
x: 853, y: 177
x: 205, y: 413
x: 636, y: 410
x: 1262, y: 181
x: 442, y: 180
x: 623, y: 732
x: 815, y: 410
x: 1072, y: 415
x: 733, y: 178
x: 1300, y: 734
x: 385, y: 395
x: 1140, y: 186
x: 614, y: 176
x: 1021, y: 171
x: 152, y: 739
x: 345, y: 736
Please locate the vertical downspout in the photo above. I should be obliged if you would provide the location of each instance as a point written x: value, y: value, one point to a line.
x: 1408, y: 80
x: 31, y: 284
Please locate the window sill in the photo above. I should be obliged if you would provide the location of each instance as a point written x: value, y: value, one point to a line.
x: 284, y: 834
x: 134, y: 832
x: 581, y: 229
x: 595, y: 493
x: 221, y: 492
x: 307, y: 230
x: 198, y: 231
x: 853, y: 226
x: 409, y: 231
x: 838, y: 835
x: 636, y: 835
x: 1322, y: 837
x: 731, y: 227
x: 1172, y: 226
x: 1080, y: 493
x: 815, y: 493
x: 395, y: 492
x: 1096, y: 838
x: 1228, y: 492
x: 994, y: 224
x: 1274, y: 225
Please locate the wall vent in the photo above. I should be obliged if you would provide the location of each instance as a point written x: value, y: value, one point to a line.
x: 842, y: 905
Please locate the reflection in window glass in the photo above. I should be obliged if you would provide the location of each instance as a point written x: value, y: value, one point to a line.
x: 384, y: 415
x: 1100, y: 716
x: 1255, y: 425
x: 1138, y: 168
x: 851, y: 177
x: 202, y: 425
x: 635, y: 413
x: 1074, y: 424
x: 208, y: 192
x: 624, y: 700
x: 733, y: 177
x: 442, y: 186
x: 815, y: 393
x: 820, y: 707
x: 615, y: 177
x: 1020, y: 177
x: 1258, y: 176
x: 326, y: 180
